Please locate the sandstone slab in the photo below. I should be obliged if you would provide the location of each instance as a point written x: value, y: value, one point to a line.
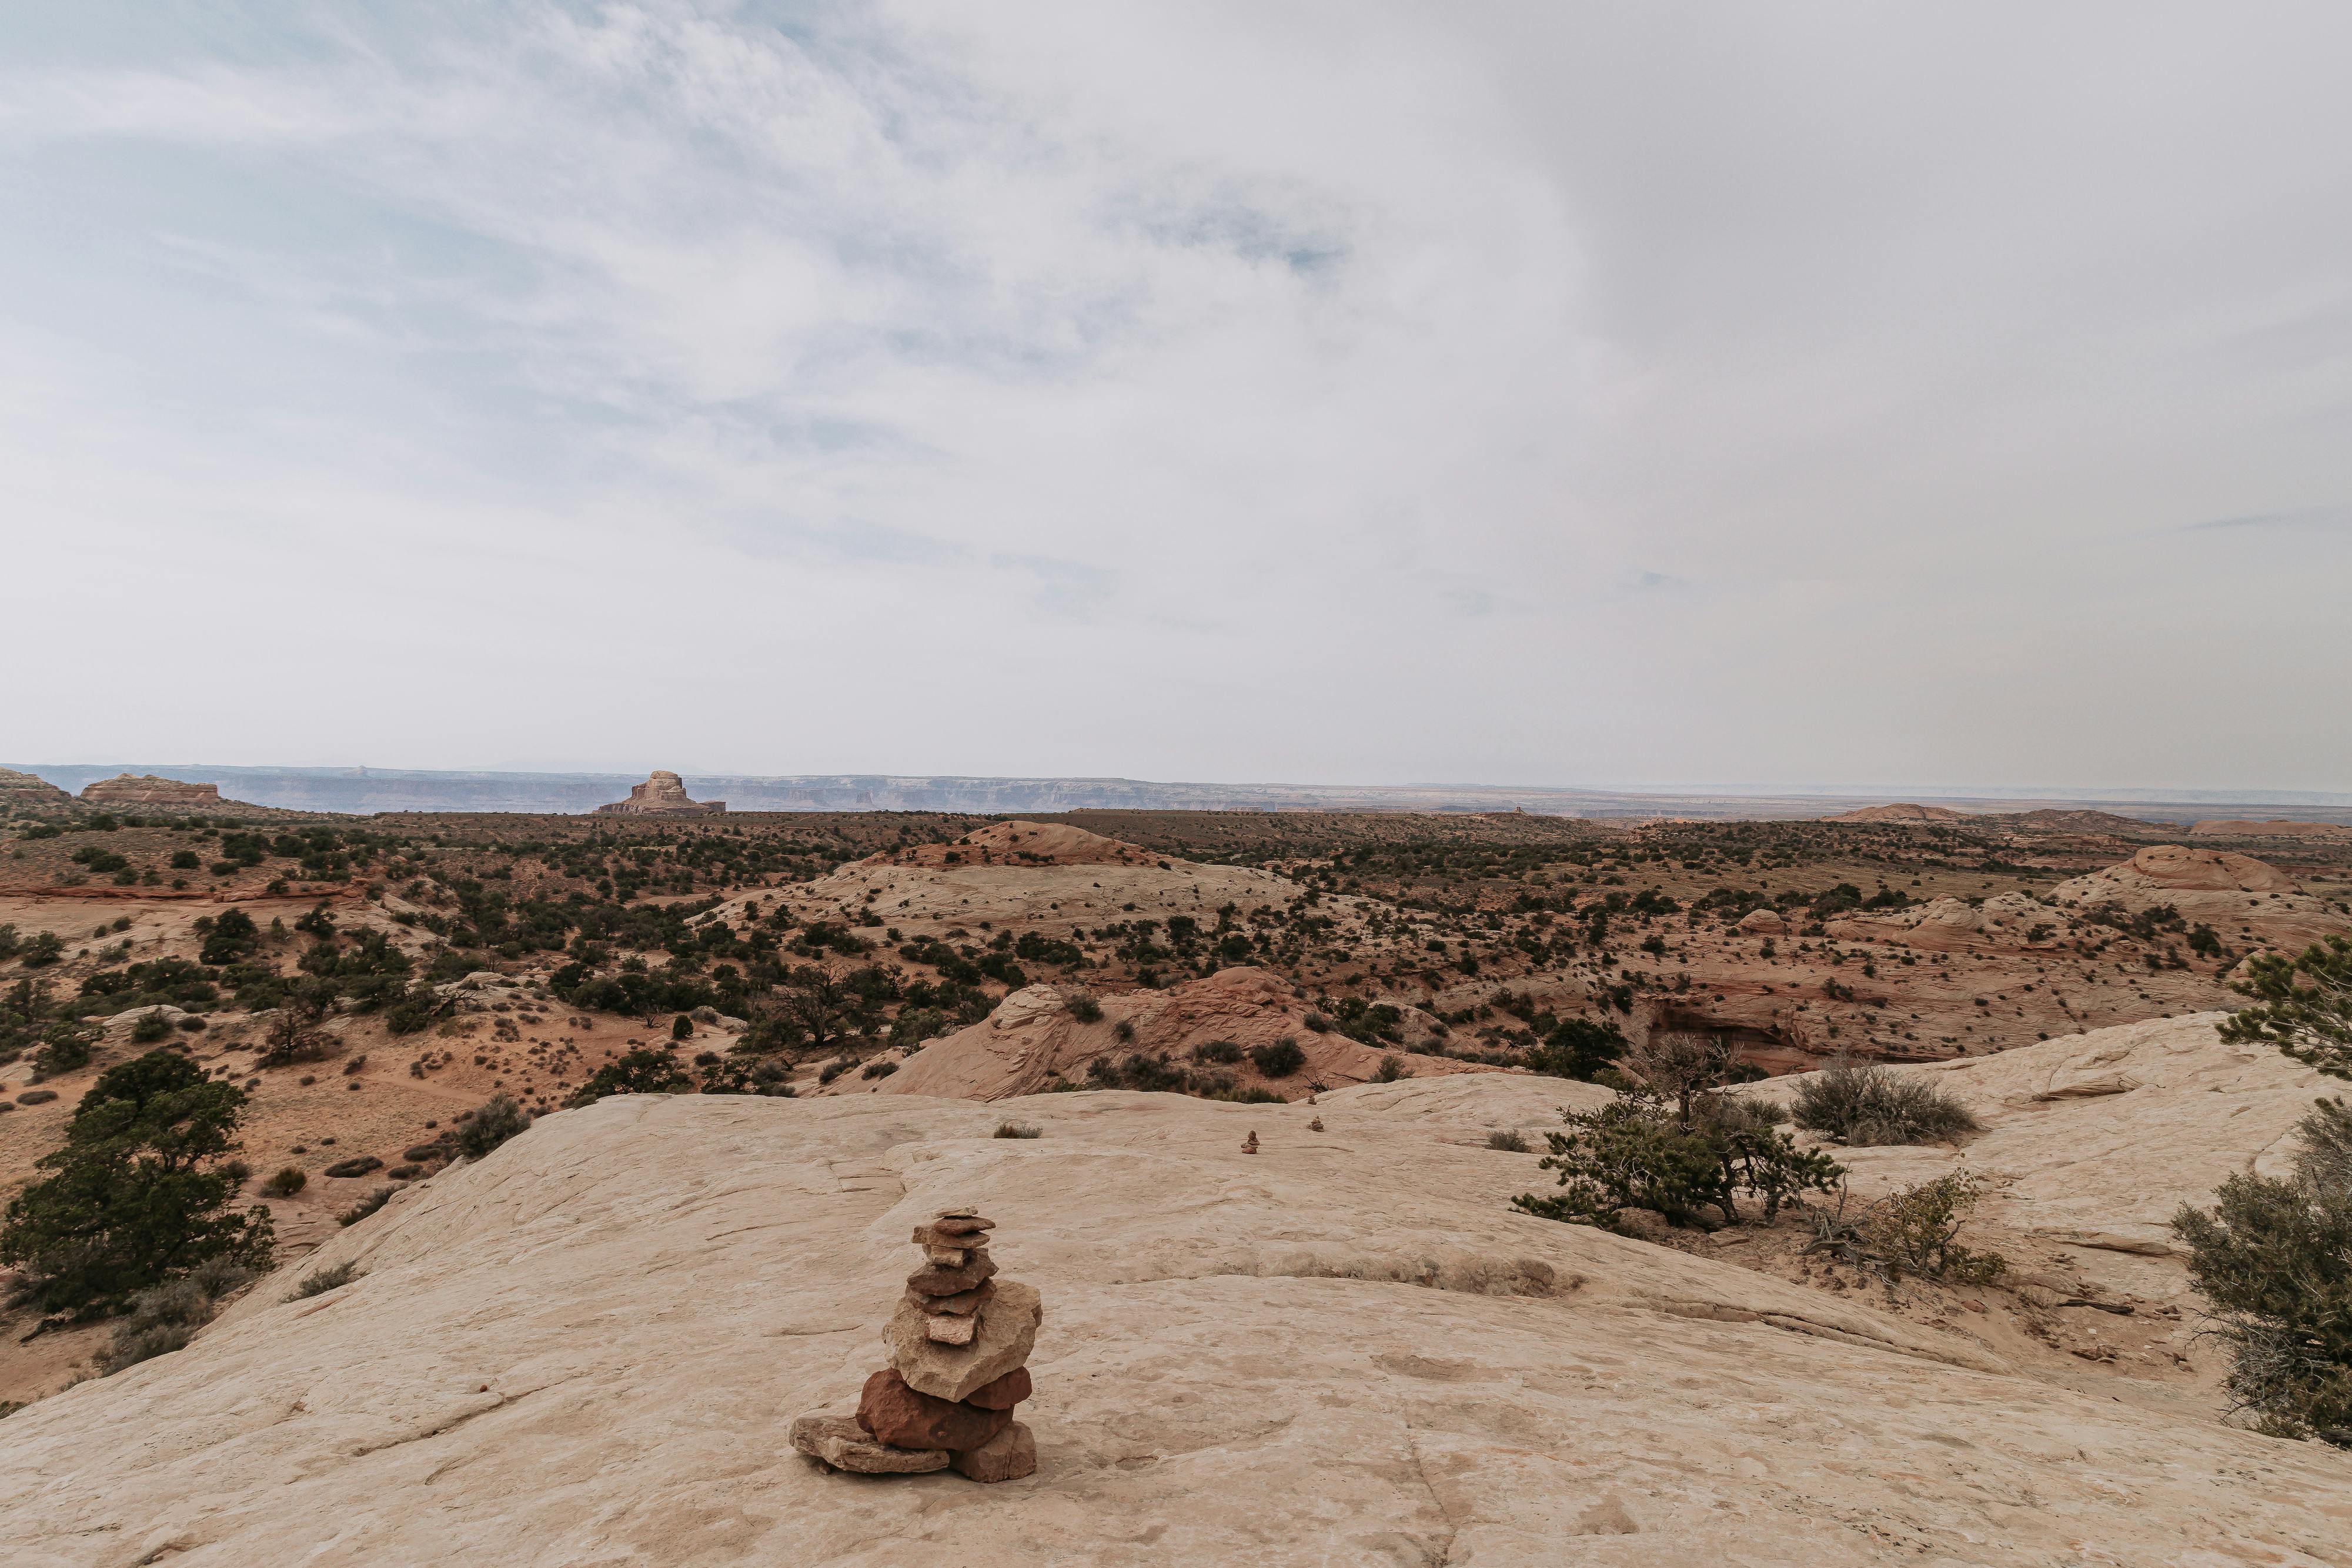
x: 841, y: 1442
x: 904, y: 1417
x: 1004, y: 1393
x: 1007, y: 1457
x: 1378, y: 1360
x: 1008, y: 1331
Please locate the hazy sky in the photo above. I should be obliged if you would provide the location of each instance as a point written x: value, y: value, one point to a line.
x: 1552, y: 393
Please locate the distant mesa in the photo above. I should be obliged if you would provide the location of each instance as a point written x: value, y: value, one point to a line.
x: 2271, y: 830
x: 662, y: 795
x: 1023, y: 844
x: 28, y: 790
x: 146, y: 790
x: 1901, y: 812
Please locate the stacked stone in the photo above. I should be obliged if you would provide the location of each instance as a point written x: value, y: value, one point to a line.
x: 960, y: 1344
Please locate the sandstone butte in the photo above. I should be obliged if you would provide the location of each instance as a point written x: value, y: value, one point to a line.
x: 146, y: 790
x: 663, y: 794
x: 30, y: 789
x: 589, y: 1347
x: 1902, y: 811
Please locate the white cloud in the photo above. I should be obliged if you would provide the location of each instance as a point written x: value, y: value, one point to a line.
x: 1212, y: 391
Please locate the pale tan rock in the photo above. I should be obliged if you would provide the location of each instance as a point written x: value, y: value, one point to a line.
x: 663, y: 794
x: 940, y: 1329
x: 146, y: 790
x: 1008, y: 1330
x: 842, y: 1443
x: 1348, y: 1350
x: 1007, y: 1457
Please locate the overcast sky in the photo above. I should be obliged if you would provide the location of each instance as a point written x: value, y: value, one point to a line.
x: 1620, y: 394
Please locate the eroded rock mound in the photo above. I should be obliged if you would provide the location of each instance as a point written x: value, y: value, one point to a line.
x: 1023, y: 844
x: 1230, y: 1025
x: 1902, y: 811
x: 663, y: 794
x: 29, y: 789
x: 146, y: 790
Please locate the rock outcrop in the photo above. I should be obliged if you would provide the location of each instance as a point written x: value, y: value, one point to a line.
x: 2274, y: 828
x: 1023, y: 844
x: 589, y: 1346
x: 29, y: 790
x: 1900, y: 812
x: 663, y: 794
x: 1209, y: 1028
x: 146, y: 790
x: 960, y: 1347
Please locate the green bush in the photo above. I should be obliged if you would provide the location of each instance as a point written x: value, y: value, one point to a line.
x: 1915, y: 1231
x: 136, y: 1195
x: 1392, y: 1069
x: 42, y: 949
x: 493, y: 1125
x: 681, y: 1027
x: 164, y: 1318
x: 1219, y: 1051
x: 286, y: 1181
x: 1279, y: 1060
x: 644, y: 1070
x: 1084, y: 1008
x: 333, y: 1277
x: 1638, y: 1152
x: 1577, y: 1049
x: 1863, y: 1104
x: 2274, y: 1257
x: 1509, y: 1141
x: 2303, y: 1006
x: 150, y: 1027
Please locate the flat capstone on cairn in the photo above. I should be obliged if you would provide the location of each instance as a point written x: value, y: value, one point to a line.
x: 959, y: 1345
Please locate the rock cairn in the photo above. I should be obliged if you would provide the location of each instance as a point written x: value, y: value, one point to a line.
x: 960, y: 1344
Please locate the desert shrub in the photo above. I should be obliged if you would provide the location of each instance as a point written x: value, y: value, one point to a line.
x: 136, y: 1195
x: 357, y: 1166
x: 1318, y: 1023
x: 1509, y: 1141
x: 492, y: 1124
x: 376, y: 1198
x: 834, y: 1068
x: 1865, y: 1104
x: 1392, y: 1069
x: 2274, y: 1257
x: 747, y: 1075
x: 294, y: 1034
x: 1084, y: 1008
x: 150, y: 1027
x: 1639, y: 1151
x: 878, y: 1069
x: 1219, y: 1051
x: 1123, y: 1031
x: 1577, y: 1049
x: 2303, y: 1006
x: 414, y: 1011
x: 1017, y: 1130
x: 166, y: 1317
x: 42, y: 949
x: 286, y: 1181
x: 320, y: 1281
x: 681, y: 1027
x: 1278, y: 1060
x: 65, y: 1048
x: 644, y: 1070
x: 1915, y: 1231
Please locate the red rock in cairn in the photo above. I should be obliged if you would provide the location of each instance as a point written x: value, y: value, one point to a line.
x: 959, y: 1348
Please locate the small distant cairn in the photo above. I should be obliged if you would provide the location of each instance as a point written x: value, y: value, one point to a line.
x: 959, y: 1345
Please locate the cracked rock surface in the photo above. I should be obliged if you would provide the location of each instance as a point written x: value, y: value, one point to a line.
x: 590, y: 1348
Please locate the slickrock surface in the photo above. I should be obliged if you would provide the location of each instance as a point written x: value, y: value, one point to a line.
x: 146, y: 790
x: 662, y: 795
x: 590, y: 1348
